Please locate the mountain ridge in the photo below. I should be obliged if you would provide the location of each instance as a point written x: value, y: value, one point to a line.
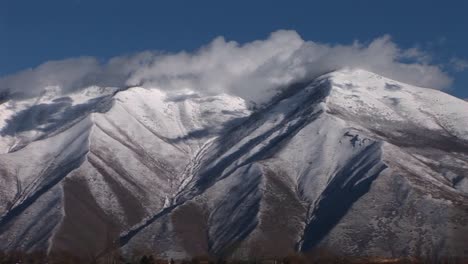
x: 152, y: 157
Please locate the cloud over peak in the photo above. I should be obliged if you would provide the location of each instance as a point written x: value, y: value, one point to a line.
x: 252, y: 70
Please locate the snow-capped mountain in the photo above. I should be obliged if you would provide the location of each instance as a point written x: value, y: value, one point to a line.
x: 349, y: 161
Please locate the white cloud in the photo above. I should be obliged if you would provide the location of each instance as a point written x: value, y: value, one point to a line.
x: 252, y: 70
x: 66, y: 73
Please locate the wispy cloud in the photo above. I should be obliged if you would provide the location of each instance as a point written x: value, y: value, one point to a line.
x: 252, y: 70
x: 458, y: 64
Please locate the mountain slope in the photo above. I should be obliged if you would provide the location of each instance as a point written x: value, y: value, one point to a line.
x: 350, y: 161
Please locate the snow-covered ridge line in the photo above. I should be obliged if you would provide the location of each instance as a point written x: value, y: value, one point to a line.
x: 60, y: 111
x: 381, y: 104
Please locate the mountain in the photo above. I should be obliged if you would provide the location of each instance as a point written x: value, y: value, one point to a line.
x: 350, y: 161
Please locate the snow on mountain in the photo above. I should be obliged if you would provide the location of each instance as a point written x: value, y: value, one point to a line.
x: 24, y: 121
x: 351, y: 161
x: 367, y: 97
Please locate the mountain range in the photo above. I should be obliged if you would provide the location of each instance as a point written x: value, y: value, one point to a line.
x: 349, y: 161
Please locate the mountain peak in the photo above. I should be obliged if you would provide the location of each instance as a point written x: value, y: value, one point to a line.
x: 386, y: 105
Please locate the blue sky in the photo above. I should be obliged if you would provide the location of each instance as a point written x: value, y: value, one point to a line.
x: 33, y: 32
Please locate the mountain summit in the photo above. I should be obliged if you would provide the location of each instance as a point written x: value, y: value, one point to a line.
x: 350, y: 161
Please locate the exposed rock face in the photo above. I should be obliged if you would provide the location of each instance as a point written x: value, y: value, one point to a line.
x: 350, y: 161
